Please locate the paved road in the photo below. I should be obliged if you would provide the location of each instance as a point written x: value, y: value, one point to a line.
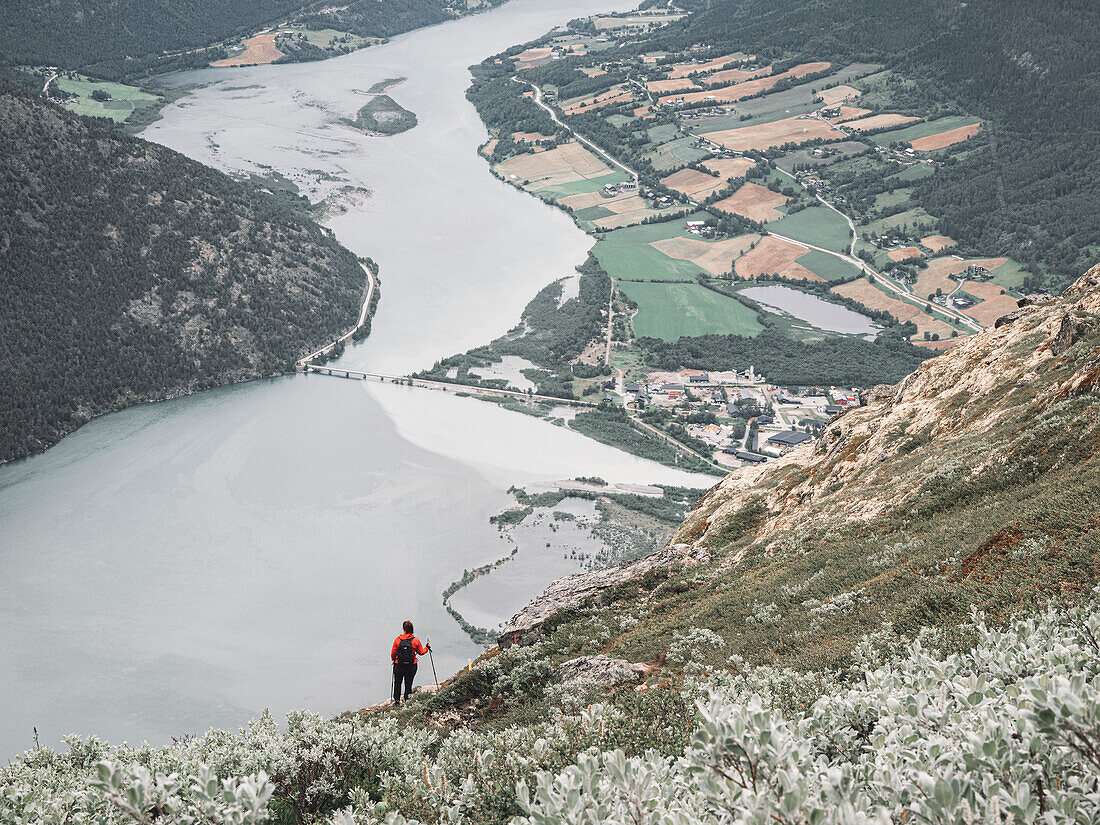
x: 965, y: 320
x: 553, y: 116
x: 371, y: 283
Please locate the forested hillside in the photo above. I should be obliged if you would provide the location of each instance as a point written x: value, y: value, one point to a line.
x: 1030, y: 70
x: 129, y: 39
x: 131, y: 272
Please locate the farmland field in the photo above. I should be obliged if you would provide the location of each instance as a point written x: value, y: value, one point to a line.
x: 874, y: 298
x: 729, y: 168
x: 672, y: 311
x: 829, y: 267
x: 950, y: 138
x: 880, y: 121
x: 772, y: 256
x: 925, y: 129
x: 716, y: 257
x: 755, y: 202
x: 674, y: 154
x: 692, y: 183
x: 626, y: 253
x: 124, y: 99
x: 909, y: 219
x: 258, y: 49
x: 816, y: 225
x: 776, y: 133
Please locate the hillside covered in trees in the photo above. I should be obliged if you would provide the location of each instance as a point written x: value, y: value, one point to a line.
x: 130, y: 39
x: 132, y: 272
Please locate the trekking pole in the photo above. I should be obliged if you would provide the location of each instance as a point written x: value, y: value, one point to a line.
x: 432, y: 660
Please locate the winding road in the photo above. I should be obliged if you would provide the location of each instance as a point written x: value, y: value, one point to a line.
x: 372, y: 283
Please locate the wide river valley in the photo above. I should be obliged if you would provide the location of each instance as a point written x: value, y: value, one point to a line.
x: 187, y: 564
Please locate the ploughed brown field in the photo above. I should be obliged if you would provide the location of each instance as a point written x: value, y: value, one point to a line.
x: 880, y: 122
x: 684, y: 69
x: 904, y: 253
x: 773, y: 256
x: 258, y: 49
x: 993, y: 304
x: 716, y: 257
x: 729, y: 168
x: 927, y: 144
x: 874, y: 298
x: 776, y: 133
x: 755, y: 202
x: 838, y: 94
x: 566, y: 163
x: 662, y: 86
x: 693, y: 184
x: 616, y: 94
x: 936, y: 242
x: 749, y: 87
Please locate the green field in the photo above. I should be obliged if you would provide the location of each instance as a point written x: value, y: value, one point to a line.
x: 626, y: 253
x: 903, y: 220
x: 1011, y: 274
x: 845, y: 149
x: 618, y: 121
x: 817, y: 225
x: 674, y: 154
x: 885, y: 200
x: 672, y: 311
x: 919, y: 130
x: 580, y: 186
x: 915, y: 172
x: 124, y: 99
x: 663, y: 133
x: 829, y: 267
x: 591, y: 213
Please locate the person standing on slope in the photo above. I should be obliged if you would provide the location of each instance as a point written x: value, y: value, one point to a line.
x: 403, y: 654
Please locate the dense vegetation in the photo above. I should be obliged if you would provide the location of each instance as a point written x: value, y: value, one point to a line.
x: 132, y: 272
x: 127, y: 39
x: 841, y: 361
x: 384, y: 116
x: 1028, y: 70
x: 611, y: 425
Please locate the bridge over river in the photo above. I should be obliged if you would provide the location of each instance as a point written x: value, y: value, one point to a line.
x: 340, y: 372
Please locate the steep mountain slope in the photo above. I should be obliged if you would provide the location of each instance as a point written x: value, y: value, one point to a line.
x: 131, y: 272
x: 973, y: 482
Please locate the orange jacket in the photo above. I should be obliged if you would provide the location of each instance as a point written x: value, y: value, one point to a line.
x: 419, y: 648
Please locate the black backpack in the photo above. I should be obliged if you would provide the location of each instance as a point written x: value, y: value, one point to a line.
x: 405, y: 653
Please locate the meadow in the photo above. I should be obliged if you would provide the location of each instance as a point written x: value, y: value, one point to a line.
x: 817, y: 225
x: 671, y: 311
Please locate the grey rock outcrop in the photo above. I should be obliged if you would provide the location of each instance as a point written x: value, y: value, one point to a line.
x: 601, y: 669
x: 571, y: 591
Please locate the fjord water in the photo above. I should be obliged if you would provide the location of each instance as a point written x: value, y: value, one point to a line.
x: 186, y: 564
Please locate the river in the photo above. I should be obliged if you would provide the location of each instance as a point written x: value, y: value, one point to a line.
x: 186, y: 564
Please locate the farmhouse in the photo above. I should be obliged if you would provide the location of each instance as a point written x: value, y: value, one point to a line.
x: 751, y: 458
x: 788, y: 439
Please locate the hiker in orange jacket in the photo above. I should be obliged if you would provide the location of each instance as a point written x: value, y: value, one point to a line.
x: 403, y: 655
